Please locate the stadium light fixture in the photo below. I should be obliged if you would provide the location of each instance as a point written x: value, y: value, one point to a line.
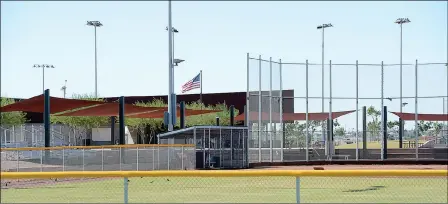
x: 324, y: 26
x: 173, y: 29
x: 95, y: 24
x: 43, y: 66
x: 402, y: 20
x: 177, y: 61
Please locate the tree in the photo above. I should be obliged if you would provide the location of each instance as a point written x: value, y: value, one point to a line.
x: 146, y: 128
x: 209, y: 119
x: 374, y: 126
x: 339, y: 131
x: 429, y: 127
x: 11, y: 118
x: 393, y: 124
x: 294, y: 134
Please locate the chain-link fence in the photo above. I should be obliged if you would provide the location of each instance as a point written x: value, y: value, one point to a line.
x: 243, y: 186
x: 32, y: 135
x: 290, y: 107
x: 98, y: 158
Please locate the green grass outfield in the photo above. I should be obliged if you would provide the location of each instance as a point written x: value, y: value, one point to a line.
x: 238, y: 189
x: 391, y: 144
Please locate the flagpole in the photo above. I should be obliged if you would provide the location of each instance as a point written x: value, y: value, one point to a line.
x: 200, y: 96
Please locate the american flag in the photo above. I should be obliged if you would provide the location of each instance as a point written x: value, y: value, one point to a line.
x: 195, y: 83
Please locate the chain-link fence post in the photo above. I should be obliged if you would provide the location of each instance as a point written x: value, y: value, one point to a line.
x: 137, y: 158
x: 220, y: 146
x: 33, y: 140
x: 22, y: 133
x: 83, y: 154
x: 63, y: 159
x: 231, y: 148
x: 41, y: 160
x: 17, y: 160
x: 168, y: 148
x: 119, y: 149
x: 153, y: 158
x: 298, y: 190
x: 102, y: 158
x: 158, y: 157
x: 13, y: 133
x: 182, y: 156
x: 125, y: 195
x: 209, y: 149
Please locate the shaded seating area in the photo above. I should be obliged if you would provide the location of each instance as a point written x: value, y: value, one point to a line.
x: 78, y: 107
x: 439, y: 144
x: 48, y: 105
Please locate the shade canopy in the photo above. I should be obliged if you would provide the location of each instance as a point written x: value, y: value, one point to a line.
x: 57, y: 105
x: 422, y: 116
x: 111, y: 109
x: 160, y: 113
x: 253, y: 116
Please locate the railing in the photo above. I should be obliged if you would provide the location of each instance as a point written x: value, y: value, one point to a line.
x: 411, y: 144
x: 98, y: 158
x: 229, y: 186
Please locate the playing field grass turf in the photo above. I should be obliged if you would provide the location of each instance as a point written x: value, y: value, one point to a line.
x: 391, y: 144
x: 238, y: 189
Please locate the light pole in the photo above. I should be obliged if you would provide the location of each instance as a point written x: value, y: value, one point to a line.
x: 401, y: 21
x: 323, y: 26
x: 174, y: 30
x: 95, y: 24
x: 64, y: 88
x: 43, y: 66
x: 170, y: 72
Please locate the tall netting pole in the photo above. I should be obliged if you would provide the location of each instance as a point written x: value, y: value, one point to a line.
x: 357, y: 112
x: 446, y: 122
x: 282, y: 140
x: 247, y: 111
x: 382, y: 110
x: 247, y: 93
x: 330, y: 116
x: 270, y: 110
x: 326, y: 143
x: 306, y: 115
x: 259, y: 108
x: 416, y: 109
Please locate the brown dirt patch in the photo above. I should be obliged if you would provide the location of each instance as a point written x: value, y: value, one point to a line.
x: 30, y: 183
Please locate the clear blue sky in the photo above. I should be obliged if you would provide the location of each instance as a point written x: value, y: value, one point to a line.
x: 215, y: 37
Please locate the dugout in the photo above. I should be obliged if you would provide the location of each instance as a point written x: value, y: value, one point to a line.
x: 221, y: 147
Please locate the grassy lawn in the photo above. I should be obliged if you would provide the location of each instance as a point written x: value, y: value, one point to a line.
x: 234, y: 190
x: 374, y: 145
